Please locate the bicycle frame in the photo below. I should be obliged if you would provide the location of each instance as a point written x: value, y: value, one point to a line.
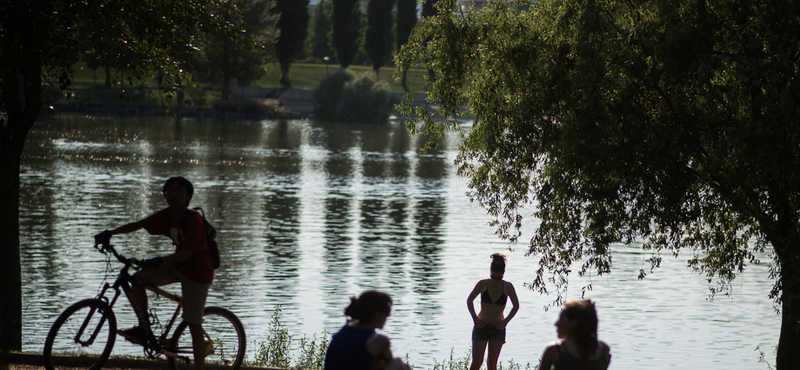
x: 94, y: 318
x: 124, y: 284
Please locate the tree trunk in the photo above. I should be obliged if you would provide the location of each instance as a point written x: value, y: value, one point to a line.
x: 108, y: 77
x: 22, y: 97
x: 10, y: 270
x: 226, y: 69
x: 788, y: 356
x: 285, y: 75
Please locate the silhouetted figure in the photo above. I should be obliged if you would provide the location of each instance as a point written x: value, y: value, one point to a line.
x: 490, y: 324
x: 579, y: 348
x: 190, y: 265
x: 357, y: 346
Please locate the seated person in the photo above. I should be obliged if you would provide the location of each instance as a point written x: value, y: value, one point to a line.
x: 579, y: 348
x: 357, y: 346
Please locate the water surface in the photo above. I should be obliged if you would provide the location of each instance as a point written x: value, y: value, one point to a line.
x: 310, y: 214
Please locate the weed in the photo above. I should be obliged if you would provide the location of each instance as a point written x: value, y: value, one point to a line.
x: 275, y: 350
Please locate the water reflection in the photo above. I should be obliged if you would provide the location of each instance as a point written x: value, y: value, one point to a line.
x: 282, y: 214
x: 310, y: 214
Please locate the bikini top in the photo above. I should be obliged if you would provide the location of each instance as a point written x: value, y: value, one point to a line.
x: 501, y: 300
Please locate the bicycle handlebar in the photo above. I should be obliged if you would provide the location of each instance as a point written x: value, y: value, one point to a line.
x: 105, y: 248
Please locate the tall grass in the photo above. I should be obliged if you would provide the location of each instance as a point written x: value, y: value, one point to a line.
x: 278, y: 350
x: 462, y: 363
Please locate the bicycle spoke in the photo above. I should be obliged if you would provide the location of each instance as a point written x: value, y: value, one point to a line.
x: 82, y: 337
x: 223, y: 336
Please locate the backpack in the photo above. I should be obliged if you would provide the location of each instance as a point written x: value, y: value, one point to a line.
x: 211, y: 234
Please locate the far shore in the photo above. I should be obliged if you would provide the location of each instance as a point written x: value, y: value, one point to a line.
x: 270, y: 104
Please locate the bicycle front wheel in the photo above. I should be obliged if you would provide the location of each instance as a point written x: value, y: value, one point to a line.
x: 225, y: 342
x: 82, y: 337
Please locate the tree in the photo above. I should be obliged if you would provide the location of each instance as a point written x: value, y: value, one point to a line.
x: 429, y: 8
x: 406, y: 20
x: 293, y: 24
x: 346, y: 30
x: 378, y: 39
x: 224, y: 59
x: 670, y: 122
x: 38, y: 39
x: 321, y: 28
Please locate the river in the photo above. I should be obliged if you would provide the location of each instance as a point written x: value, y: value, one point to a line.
x: 312, y: 213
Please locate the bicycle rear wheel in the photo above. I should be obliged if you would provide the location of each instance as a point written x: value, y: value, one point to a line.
x: 224, y: 336
x: 82, y: 337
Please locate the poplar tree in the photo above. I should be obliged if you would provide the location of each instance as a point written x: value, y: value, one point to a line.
x: 379, y: 42
x: 406, y: 20
x: 346, y: 30
x: 293, y: 26
x: 429, y: 8
x: 321, y: 28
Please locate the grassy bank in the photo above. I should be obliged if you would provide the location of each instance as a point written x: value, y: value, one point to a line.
x: 88, y: 87
x: 308, y: 75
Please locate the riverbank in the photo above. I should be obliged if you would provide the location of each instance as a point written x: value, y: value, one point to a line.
x: 34, y: 361
x: 262, y: 103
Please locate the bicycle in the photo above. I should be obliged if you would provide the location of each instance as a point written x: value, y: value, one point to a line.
x: 84, y: 334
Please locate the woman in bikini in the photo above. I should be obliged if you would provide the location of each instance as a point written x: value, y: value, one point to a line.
x: 490, y: 323
x: 579, y: 347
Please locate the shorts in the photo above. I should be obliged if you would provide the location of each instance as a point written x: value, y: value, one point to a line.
x: 194, y: 294
x: 488, y: 333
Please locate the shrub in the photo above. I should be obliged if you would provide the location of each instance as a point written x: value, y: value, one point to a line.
x: 312, y: 351
x: 328, y: 92
x: 345, y: 97
x: 365, y: 99
x: 275, y: 350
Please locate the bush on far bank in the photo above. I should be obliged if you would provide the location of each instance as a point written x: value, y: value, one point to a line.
x: 348, y: 97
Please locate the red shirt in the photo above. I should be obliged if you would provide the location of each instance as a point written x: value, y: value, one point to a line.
x: 199, y: 267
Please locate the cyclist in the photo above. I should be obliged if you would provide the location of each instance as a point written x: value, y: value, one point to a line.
x: 190, y: 265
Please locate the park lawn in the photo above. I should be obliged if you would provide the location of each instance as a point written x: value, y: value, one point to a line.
x: 301, y: 75
x: 308, y: 75
x: 88, y: 88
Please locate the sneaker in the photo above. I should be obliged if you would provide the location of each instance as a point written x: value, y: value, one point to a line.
x: 136, y: 335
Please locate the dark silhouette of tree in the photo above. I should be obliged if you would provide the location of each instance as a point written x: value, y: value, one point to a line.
x: 670, y: 123
x: 379, y: 41
x: 293, y: 25
x: 346, y: 30
x: 224, y: 59
x: 321, y: 28
x: 429, y: 8
x: 406, y: 20
x: 39, y: 39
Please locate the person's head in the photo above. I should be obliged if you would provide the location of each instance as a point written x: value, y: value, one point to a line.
x: 371, y: 308
x: 578, y: 321
x: 178, y: 191
x: 498, y: 266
